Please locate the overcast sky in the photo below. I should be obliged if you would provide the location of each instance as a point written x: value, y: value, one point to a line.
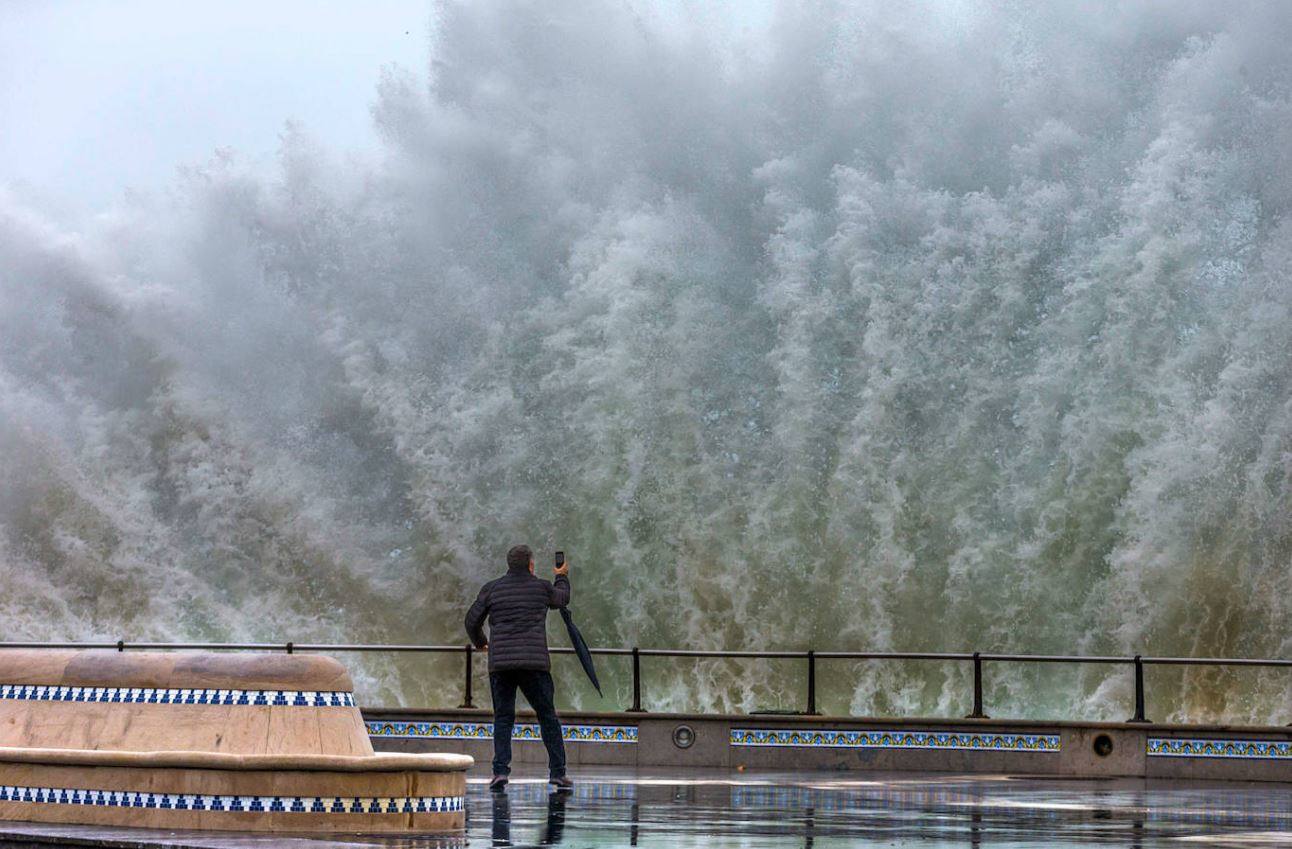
x: 100, y: 95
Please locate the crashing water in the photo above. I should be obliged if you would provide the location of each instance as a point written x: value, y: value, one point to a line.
x: 892, y: 326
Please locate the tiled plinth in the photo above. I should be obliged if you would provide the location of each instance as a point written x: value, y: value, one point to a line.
x: 234, y: 800
x: 250, y: 742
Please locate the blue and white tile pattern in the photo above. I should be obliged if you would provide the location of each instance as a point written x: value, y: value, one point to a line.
x: 1182, y: 747
x: 484, y: 731
x: 232, y: 804
x: 946, y: 740
x: 183, y: 696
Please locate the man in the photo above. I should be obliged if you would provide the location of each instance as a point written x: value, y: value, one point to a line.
x: 516, y: 606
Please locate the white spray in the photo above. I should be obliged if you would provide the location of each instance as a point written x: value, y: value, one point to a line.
x: 897, y: 326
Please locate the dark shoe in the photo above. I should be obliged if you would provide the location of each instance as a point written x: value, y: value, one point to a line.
x: 498, y: 784
x: 562, y: 783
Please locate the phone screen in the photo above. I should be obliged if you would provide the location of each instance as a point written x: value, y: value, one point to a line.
x: 560, y: 558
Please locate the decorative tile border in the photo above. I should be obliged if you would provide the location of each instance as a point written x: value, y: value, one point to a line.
x: 1182, y: 747
x: 232, y: 804
x: 159, y: 696
x: 946, y: 740
x: 484, y: 731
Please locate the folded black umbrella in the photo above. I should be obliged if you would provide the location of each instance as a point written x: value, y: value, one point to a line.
x: 580, y: 648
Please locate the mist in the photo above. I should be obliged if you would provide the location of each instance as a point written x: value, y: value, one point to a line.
x: 943, y: 326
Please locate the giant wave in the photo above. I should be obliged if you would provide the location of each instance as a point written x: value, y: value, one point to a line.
x: 893, y: 326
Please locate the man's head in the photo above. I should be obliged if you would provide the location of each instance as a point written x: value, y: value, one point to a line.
x: 520, y: 557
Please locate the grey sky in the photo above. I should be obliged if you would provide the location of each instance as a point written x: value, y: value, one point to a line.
x: 100, y: 95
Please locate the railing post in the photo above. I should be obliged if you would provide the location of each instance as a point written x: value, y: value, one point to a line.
x: 121, y: 645
x: 977, y: 689
x: 637, y: 682
x: 290, y: 648
x: 466, y: 683
x: 811, y: 705
x: 1139, y: 691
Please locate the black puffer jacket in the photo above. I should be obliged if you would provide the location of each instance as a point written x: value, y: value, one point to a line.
x: 516, y: 605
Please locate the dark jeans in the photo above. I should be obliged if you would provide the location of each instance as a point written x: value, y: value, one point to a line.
x: 538, y: 689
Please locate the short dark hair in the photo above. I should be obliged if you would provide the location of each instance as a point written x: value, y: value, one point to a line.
x: 519, y: 556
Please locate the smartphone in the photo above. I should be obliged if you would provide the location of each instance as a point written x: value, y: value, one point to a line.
x: 560, y: 559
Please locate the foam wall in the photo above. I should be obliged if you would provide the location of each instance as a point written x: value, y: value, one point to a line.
x: 891, y: 326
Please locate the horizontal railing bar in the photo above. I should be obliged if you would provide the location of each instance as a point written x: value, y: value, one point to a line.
x: 277, y: 647
x: 60, y: 646
x: 1215, y: 661
x: 1055, y: 658
x: 375, y: 647
x: 200, y: 646
x: 889, y: 655
x: 678, y: 653
x: 770, y: 655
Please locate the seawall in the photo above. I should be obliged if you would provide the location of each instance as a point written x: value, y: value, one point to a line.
x: 792, y: 742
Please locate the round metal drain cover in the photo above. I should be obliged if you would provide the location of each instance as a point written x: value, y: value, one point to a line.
x: 684, y: 736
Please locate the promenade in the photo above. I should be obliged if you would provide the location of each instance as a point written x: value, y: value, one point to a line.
x: 723, y: 809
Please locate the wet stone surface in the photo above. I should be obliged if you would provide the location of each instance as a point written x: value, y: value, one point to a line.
x: 814, y: 810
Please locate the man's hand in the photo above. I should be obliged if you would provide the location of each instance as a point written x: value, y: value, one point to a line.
x: 562, y: 570
x: 485, y: 647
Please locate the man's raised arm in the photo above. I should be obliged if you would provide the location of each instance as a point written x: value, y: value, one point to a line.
x: 560, y: 592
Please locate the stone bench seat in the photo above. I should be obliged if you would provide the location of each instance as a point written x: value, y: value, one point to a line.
x: 384, y: 762
x: 197, y: 740
x: 179, y: 701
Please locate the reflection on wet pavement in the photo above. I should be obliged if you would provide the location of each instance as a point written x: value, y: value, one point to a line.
x: 612, y: 809
x: 725, y: 810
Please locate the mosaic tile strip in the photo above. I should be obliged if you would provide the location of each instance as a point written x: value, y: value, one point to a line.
x: 158, y: 696
x: 812, y: 738
x: 232, y: 804
x: 484, y: 731
x: 1180, y: 747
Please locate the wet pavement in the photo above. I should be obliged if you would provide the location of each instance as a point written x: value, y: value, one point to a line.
x: 717, y: 810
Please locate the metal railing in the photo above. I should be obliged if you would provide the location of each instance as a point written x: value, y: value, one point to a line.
x: 810, y: 656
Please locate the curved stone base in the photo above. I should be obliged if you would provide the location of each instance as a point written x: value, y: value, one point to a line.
x: 186, y: 790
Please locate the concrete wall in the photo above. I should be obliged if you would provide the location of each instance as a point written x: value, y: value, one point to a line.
x: 1261, y: 753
